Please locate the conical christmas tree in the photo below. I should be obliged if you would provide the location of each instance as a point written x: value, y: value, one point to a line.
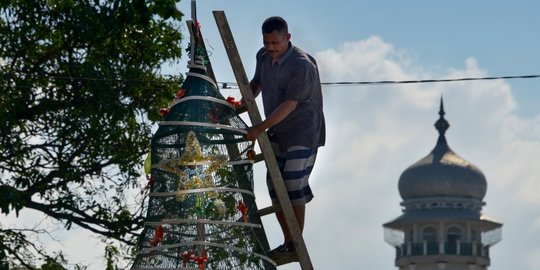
x: 202, y: 212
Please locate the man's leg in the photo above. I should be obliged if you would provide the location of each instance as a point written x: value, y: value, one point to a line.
x: 299, y: 213
x: 295, y: 166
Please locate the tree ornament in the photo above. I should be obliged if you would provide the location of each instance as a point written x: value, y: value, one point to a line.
x: 150, y: 183
x: 192, y: 151
x: 220, y: 207
x: 158, y: 236
x: 186, y: 257
x: 243, y: 209
x: 201, y: 261
x: 181, y: 93
x: 234, y: 102
x: 163, y: 112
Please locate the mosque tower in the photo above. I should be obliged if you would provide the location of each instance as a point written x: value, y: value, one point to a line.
x: 442, y: 226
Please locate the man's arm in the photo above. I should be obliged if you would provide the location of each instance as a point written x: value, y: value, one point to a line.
x: 282, y: 111
x: 255, y: 88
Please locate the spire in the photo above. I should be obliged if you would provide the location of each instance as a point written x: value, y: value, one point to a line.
x: 441, y: 125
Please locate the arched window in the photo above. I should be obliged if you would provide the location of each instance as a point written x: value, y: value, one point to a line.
x: 429, y: 234
x: 453, y: 235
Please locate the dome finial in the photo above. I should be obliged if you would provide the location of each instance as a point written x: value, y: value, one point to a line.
x: 441, y: 125
x: 441, y: 110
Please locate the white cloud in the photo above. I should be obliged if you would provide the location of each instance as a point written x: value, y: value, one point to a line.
x: 352, y: 57
x: 533, y: 260
x: 375, y: 132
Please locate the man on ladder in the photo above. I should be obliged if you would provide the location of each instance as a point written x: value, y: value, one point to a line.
x: 288, y: 79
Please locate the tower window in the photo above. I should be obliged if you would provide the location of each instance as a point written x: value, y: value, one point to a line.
x: 453, y: 235
x: 429, y: 234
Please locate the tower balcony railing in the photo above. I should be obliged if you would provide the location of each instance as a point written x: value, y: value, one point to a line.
x: 457, y: 248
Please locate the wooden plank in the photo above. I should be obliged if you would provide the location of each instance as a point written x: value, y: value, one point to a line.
x: 269, y: 210
x: 258, y: 158
x: 289, y: 258
x: 264, y: 142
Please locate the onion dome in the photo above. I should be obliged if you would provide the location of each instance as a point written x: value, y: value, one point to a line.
x: 442, y: 173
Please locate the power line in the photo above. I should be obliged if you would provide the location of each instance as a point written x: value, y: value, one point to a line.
x: 435, y: 81
x: 235, y: 85
x: 231, y: 85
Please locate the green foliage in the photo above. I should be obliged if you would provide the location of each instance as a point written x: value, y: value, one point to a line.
x: 51, y: 264
x: 79, y: 89
x: 111, y: 252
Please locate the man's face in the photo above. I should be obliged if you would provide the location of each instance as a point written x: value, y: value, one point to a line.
x: 276, y: 44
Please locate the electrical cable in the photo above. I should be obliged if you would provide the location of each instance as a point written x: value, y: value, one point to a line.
x: 233, y: 85
x: 230, y: 85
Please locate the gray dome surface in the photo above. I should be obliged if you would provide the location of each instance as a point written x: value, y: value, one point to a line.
x: 442, y: 173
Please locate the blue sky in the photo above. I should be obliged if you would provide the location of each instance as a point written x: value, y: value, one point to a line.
x: 501, y: 36
x: 375, y: 132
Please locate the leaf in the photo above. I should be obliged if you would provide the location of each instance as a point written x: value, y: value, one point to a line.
x: 147, y: 164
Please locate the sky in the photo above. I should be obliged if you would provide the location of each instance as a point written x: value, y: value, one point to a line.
x: 374, y: 132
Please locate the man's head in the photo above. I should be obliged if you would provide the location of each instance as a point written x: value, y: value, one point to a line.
x: 276, y: 36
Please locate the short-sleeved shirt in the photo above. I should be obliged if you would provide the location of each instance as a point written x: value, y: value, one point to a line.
x: 294, y: 76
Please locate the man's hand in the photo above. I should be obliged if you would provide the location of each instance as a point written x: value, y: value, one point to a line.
x: 242, y: 107
x: 253, y: 132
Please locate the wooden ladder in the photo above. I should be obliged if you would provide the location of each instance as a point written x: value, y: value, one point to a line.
x: 264, y: 143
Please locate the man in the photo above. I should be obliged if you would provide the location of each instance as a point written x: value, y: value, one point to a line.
x: 288, y: 79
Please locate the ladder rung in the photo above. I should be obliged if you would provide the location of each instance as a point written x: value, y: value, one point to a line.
x: 241, y: 109
x: 285, y: 259
x: 258, y: 158
x: 269, y: 210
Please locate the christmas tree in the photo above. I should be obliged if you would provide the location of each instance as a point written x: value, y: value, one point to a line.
x: 202, y: 212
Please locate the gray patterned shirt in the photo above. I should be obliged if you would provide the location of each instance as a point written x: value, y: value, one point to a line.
x: 294, y: 76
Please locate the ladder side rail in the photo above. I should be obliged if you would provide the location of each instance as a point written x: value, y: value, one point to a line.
x: 264, y: 142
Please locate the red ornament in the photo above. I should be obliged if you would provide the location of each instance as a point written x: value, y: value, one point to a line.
x: 181, y: 93
x: 158, y: 236
x: 243, y: 209
x: 197, y: 29
x: 212, y: 116
x: 150, y: 179
x: 232, y: 101
x: 186, y: 257
x: 201, y: 261
x: 163, y: 112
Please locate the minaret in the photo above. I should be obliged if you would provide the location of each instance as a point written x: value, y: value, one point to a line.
x: 442, y: 226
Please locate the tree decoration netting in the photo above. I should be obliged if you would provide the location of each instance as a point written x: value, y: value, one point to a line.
x: 202, y: 212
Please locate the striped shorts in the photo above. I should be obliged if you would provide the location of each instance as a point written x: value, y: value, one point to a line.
x: 295, y: 166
